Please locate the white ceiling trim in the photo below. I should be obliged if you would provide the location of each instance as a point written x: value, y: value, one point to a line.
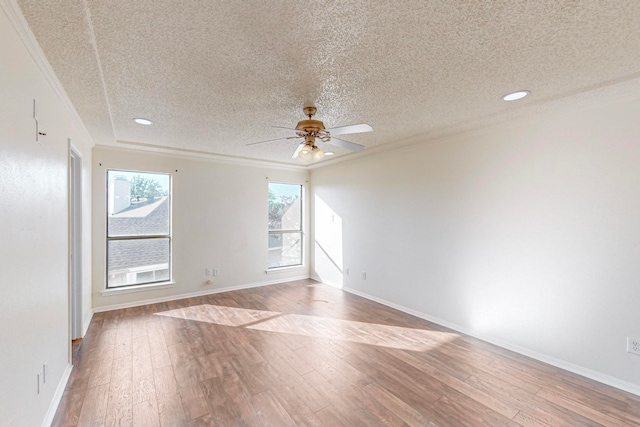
x: 203, y: 155
x: 94, y: 43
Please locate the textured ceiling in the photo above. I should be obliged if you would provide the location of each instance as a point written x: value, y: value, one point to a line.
x: 216, y: 75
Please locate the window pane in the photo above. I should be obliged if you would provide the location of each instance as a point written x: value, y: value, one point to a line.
x: 285, y: 249
x: 285, y: 207
x: 132, y: 262
x: 137, y: 203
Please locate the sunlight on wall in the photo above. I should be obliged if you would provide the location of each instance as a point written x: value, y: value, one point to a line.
x: 521, y: 311
x: 328, y: 244
x: 491, y: 313
x: 499, y: 295
x: 314, y: 326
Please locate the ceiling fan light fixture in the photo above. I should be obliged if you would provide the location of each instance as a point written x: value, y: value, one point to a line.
x: 317, y: 154
x: 311, y: 131
x: 514, y: 96
x: 305, y: 155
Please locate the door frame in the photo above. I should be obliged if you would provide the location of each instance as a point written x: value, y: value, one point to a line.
x: 75, y: 242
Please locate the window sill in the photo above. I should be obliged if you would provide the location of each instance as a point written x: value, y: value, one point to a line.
x: 137, y: 288
x: 283, y: 269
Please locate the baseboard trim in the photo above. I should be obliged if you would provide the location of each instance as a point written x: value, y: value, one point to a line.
x: 57, y: 397
x: 559, y: 363
x: 196, y: 294
x: 86, y: 323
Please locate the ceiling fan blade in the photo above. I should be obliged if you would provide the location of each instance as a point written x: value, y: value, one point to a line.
x: 271, y: 140
x: 345, y: 144
x: 344, y: 130
x: 300, y: 147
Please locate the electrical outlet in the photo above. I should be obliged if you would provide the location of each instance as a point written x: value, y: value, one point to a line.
x: 633, y: 345
x: 364, y: 275
x: 216, y: 271
x: 207, y: 272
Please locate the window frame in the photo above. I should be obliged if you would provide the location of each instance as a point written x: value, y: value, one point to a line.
x: 167, y: 236
x: 282, y: 232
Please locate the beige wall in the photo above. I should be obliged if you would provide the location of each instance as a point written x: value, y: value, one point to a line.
x: 219, y: 220
x: 34, y: 292
x: 525, y: 234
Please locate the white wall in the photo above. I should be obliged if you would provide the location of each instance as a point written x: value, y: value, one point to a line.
x: 34, y: 215
x: 219, y: 221
x: 526, y: 234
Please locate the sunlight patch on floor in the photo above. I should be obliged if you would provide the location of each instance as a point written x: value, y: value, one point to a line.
x: 219, y: 314
x: 358, y: 332
x: 314, y: 326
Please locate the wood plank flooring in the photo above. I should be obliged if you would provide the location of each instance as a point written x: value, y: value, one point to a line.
x: 305, y: 354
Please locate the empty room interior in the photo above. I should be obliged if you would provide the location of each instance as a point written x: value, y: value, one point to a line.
x: 368, y: 213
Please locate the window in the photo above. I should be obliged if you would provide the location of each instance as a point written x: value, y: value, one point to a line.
x: 285, y: 225
x: 138, y: 228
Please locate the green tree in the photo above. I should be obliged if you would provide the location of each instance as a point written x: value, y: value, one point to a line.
x: 277, y: 208
x: 142, y: 187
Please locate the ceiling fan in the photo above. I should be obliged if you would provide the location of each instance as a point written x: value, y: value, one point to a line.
x: 310, y: 129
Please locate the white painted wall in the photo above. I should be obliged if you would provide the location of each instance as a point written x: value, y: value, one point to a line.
x: 34, y: 289
x: 219, y: 221
x: 526, y: 234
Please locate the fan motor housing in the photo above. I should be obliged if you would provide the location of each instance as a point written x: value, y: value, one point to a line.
x: 310, y: 125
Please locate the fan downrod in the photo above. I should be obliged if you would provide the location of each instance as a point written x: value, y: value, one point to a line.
x: 309, y: 111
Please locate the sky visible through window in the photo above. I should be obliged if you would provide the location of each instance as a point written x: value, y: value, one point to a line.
x: 161, y: 178
x: 285, y: 189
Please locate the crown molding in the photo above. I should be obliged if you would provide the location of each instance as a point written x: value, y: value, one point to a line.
x: 200, y: 155
x: 17, y: 19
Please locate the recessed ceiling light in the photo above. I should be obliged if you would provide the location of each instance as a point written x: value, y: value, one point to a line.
x: 329, y: 153
x: 143, y: 121
x: 516, y: 95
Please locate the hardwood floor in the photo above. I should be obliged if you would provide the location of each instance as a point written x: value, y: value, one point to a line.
x: 305, y: 354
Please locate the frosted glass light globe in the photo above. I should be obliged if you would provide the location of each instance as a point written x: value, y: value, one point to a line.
x: 305, y: 155
x: 317, y: 154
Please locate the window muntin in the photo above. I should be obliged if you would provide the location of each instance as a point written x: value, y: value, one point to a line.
x: 138, y: 228
x: 285, y: 225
